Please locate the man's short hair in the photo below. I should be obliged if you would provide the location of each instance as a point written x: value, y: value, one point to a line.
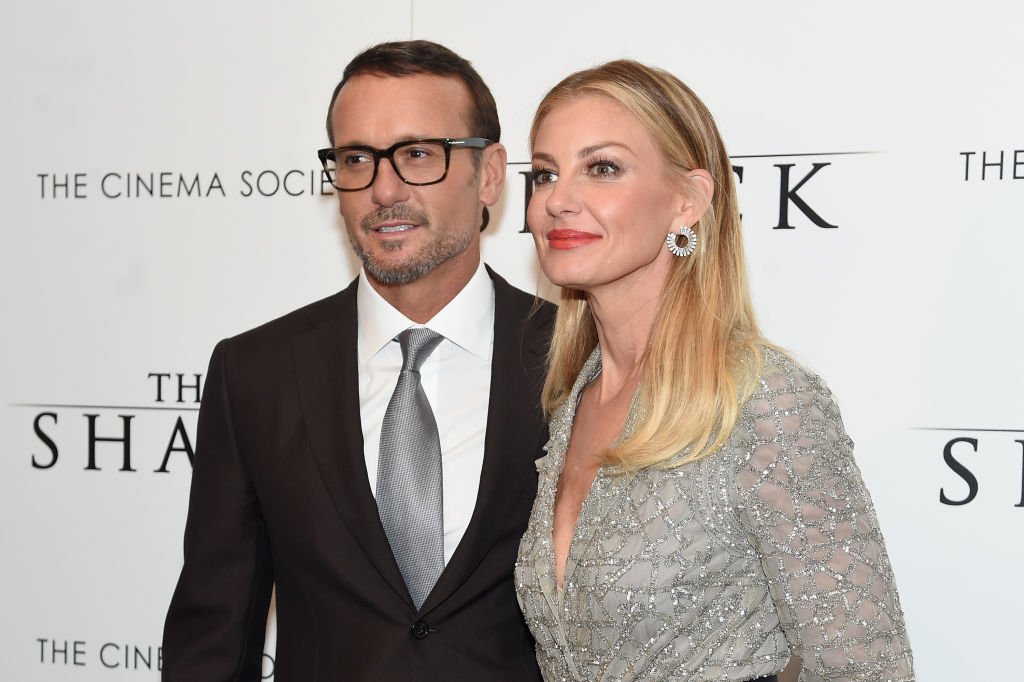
x: 414, y: 57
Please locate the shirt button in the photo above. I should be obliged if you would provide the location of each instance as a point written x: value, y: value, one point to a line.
x: 420, y: 630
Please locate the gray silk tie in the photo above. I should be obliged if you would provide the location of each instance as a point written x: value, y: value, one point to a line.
x: 409, y: 491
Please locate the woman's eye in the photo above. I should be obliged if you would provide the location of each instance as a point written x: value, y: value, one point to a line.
x: 603, y: 169
x: 543, y: 177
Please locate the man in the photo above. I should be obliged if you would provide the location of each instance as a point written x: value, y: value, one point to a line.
x: 330, y: 453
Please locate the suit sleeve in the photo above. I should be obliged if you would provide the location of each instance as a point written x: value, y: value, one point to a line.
x: 216, y: 622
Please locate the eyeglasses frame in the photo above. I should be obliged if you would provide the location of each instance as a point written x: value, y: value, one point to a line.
x: 389, y: 154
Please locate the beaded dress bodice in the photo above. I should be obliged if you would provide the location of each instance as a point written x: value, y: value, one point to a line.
x: 722, y: 568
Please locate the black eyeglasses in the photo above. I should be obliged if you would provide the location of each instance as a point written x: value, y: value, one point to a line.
x: 416, y: 162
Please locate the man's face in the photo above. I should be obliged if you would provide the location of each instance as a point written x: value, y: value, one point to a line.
x: 402, y: 232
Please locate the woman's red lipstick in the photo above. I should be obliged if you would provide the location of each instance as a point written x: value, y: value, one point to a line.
x: 570, y: 239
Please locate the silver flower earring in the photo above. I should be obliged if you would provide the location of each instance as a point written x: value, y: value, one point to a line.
x: 686, y: 249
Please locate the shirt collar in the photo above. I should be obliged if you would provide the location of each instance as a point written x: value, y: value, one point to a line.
x: 467, y: 320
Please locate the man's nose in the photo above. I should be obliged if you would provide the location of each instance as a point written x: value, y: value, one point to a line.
x: 388, y: 188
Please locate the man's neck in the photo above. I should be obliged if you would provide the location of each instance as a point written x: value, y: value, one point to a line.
x: 423, y: 298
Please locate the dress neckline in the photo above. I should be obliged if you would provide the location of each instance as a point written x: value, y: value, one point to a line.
x: 566, y: 417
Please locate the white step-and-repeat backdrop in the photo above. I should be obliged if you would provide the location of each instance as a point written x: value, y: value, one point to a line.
x: 160, y: 190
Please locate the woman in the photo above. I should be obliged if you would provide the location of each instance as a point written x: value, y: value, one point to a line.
x: 699, y: 514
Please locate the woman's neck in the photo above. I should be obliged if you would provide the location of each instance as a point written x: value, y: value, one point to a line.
x: 624, y: 324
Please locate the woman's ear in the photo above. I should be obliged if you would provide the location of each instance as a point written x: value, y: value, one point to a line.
x: 695, y: 197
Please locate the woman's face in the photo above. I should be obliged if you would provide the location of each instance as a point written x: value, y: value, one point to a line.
x: 603, y: 200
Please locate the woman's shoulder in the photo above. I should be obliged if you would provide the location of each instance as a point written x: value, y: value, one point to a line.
x: 791, y: 407
x: 785, y: 383
x: 780, y: 371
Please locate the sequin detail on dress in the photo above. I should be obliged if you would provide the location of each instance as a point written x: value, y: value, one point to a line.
x: 720, y: 569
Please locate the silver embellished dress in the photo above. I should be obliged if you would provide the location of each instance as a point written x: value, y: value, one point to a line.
x: 723, y: 568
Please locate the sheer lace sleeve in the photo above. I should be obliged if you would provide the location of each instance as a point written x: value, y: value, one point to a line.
x: 811, y: 520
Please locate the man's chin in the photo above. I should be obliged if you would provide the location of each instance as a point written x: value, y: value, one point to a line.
x: 396, y: 273
x: 389, y: 268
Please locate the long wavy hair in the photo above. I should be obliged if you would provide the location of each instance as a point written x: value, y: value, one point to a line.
x: 704, y: 356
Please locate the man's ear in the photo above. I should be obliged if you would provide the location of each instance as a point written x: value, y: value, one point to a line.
x: 492, y: 173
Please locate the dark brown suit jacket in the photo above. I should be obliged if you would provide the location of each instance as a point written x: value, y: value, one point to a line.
x: 280, y: 496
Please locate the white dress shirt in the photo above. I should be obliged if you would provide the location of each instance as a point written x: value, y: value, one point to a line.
x: 459, y: 398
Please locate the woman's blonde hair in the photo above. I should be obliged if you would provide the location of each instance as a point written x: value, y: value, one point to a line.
x: 704, y: 355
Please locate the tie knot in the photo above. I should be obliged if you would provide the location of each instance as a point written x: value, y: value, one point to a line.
x: 417, y: 345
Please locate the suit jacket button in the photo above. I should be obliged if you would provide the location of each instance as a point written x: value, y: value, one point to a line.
x: 420, y: 630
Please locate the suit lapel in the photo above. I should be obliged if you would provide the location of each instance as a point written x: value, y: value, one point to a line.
x: 508, y: 474
x: 327, y: 372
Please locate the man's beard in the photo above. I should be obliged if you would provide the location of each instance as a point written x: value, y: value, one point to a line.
x: 418, y: 264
